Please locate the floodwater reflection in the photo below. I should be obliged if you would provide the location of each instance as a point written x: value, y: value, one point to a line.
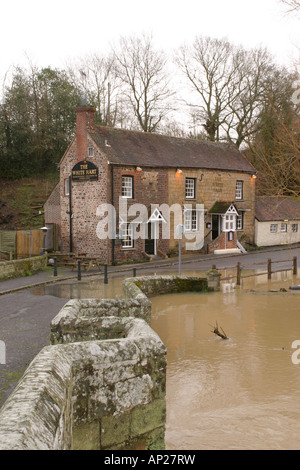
x: 237, y: 394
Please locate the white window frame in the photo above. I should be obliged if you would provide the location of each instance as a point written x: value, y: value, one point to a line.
x: 239, y: 190
x: 273, y: 228
x: 67, y: 187
x: 126, y: 236
x: 191, y: 220
x: 90, y: 152
x: 295, y: 228
x: 229, y: 223
x: 240, y: 221
x: 283, y: 228
x: 127, y: 187
x: 190, y: 188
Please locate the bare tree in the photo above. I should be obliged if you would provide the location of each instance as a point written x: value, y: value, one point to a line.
x: 210, y: 70
x: 294, y: 5
x: 95, y: 77
x: 142, y: 70
x: 228, y: 80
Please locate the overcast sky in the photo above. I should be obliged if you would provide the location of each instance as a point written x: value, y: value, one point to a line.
x: 51, y: 33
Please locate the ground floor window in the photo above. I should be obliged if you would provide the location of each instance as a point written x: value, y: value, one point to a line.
x: 126, y: 236
x: 273, y: 228
x: 240, y: 221
x: 191, y: 220
x: 283, y: 227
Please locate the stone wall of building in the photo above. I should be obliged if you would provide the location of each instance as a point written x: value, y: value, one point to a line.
x: 150, y: 190
x: 86, y: 197
x: 213, y: 186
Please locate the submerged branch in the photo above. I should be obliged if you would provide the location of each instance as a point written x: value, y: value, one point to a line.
x: 219, y: 333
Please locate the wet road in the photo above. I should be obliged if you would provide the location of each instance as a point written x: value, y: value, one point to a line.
x: 25, y: 316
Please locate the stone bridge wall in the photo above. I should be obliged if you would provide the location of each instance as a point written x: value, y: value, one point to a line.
x: 101, y: 383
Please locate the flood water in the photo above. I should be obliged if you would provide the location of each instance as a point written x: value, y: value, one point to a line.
x: 243, y: 393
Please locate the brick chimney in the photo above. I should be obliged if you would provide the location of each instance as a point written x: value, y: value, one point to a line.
x: 85, y: 120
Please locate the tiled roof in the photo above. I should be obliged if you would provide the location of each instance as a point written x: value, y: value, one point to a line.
x: 220, y: 208
x: 277, y: 208
x: 124, y: 147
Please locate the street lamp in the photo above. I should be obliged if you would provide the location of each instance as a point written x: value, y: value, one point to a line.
x: 44, y: 239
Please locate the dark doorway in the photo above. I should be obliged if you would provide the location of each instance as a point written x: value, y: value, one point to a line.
x: 150, y: 242
x: 215, y: 227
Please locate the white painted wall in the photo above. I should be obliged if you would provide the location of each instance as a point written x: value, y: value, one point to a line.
x: 263, y: 236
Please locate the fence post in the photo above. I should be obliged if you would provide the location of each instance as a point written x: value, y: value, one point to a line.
x: 79, y: 271
x: 134, y: 272
x: 238, y: 274
x: 55, y: 267
x: 105, y: 274
x: 269, y: 269
x: 295, y: 270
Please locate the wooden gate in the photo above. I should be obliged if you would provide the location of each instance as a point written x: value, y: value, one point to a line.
x: 29, y: 243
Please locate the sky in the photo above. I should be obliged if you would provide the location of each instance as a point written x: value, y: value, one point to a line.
x: 53, y: 33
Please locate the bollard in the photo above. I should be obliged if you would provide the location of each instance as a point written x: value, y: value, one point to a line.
x: 269, y: 269
x: 55, y: 267
x: 238, y: 274
x: 105, y: 274
x: 134, y: 272
x: 79, y: 271
x: 295, y: 269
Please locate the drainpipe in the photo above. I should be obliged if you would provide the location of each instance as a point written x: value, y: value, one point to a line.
x: 114, y: 222
x: 70, y: 213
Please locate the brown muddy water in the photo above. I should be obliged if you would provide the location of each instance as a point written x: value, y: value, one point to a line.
x: 243, y: 393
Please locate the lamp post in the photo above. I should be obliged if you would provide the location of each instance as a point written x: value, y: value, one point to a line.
x: 44, y: 239
x: 180, y: 232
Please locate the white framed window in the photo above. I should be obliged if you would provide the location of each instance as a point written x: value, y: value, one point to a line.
x: 283, y: 228
x: 127, y: 187
x: 229, y: 224
x: 239, y: 190
x: 67, y: 187
x: 126, y: 235
x: 295, y: 228
x: 273, y: 228
x: 191, y: 220
x: 90, y: 151
x: 240, y: 221
x: 190, y: 188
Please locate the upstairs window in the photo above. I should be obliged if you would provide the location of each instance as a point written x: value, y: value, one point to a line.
x: 127, y: 187
x: 239, y: 190
x: 190, y: 188
x: 67, y: 187
x: 90, y: 152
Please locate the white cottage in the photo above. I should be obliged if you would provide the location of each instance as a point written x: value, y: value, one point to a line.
x: 277, y: 221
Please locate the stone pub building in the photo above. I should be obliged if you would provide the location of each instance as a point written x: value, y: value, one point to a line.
x: 211, y: 185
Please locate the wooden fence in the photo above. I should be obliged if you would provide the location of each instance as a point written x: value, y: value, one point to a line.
x: 269, y: 265
x: 20, y: 243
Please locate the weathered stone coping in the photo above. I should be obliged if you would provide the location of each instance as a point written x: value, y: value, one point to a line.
x: 72, y: 395
x: 101, y: 385
x: 84, y: 320
x: 142, y: 287
x: 21, y: 267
